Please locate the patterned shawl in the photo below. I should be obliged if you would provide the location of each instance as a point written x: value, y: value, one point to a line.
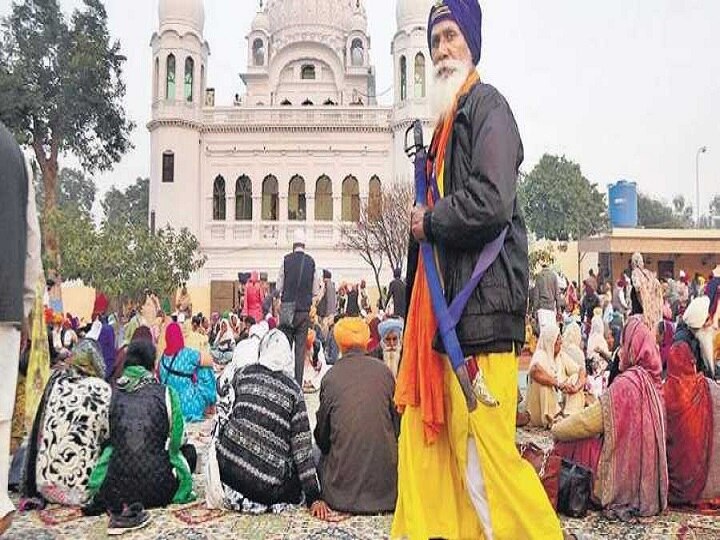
x: 633, y: 475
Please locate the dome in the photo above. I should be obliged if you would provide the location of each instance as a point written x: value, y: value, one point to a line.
x: 359, y: 22
x: 412, y: 12
x: 292, y: 13
x: 182, y: 12
x: 261, y: 22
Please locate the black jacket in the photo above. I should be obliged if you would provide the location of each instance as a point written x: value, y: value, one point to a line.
x: 480, y: 187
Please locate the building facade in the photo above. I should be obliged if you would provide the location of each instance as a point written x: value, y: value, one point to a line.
x: 300, y: 149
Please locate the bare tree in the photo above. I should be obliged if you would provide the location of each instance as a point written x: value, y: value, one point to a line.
x: 383, y: 229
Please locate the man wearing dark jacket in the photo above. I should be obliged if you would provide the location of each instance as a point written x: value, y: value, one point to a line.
x: 396, y: 294
x: 298, y: 284
x: 468, y: 457
x: 20, y: 269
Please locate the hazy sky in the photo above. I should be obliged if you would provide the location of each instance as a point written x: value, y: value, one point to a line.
x: 627, y: 89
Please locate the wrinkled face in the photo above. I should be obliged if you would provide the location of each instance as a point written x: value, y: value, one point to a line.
x: 391, y: 342
x: 448, y: 46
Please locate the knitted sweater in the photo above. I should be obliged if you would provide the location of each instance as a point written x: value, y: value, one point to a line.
x: 264, y: 450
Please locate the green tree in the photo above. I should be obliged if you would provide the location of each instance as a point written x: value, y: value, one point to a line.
x: 559, y: 202
x: 61, y: 91
x: 715, y: 206
x: 130, y: 206
x: 655, y: 214
x: 683, y: 212
x: 74, y: 190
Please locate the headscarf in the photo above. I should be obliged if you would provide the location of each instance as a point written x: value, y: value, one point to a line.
x: 174, y: 341
x: 467, y: 15
x: 596, y: 339
x: 391, y: 326
x: 690, y: 426
x: 649, y: 291
x: 101, y: 305
x: 275, y: 354
x: 352, y: 333
x: 572, y: 344
x: 639, y: 349
x: 545, y: 352
x: 87, y: 359
x: 697, y: 313
x: 224, y: 335
x: 374, y: 341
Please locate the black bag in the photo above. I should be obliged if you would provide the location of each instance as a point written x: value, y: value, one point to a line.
x: 575, y: 490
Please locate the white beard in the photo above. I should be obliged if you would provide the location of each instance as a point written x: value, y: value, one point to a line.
x: 392, y: 359
x: 446, y: 86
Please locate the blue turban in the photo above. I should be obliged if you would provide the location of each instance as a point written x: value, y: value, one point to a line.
x: 467, y: 15
x: 391, y: 326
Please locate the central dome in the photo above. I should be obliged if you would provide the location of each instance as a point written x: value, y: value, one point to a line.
x: 337, y: 13
x: 183, y: 12
x: 413, y: 12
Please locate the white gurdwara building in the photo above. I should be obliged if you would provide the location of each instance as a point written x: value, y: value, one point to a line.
x: 299, y: 149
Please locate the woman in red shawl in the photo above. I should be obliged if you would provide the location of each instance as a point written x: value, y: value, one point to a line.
x: 627, y: 427
x: 693, y: 442
x: 254, y: 297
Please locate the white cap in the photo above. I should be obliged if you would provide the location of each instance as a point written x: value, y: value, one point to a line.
x: 299, y: 237
x: 697, y: 312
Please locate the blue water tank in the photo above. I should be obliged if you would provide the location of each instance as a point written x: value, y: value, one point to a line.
x: 623, y: 204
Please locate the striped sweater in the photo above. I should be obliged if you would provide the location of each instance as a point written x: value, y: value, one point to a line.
x: 265, y: 449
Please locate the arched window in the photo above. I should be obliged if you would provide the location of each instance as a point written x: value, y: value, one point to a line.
x: 350, y: 199
x: 243, y: 199
x: 189, y: 78
x: 403, y: 78
x: 323, y: 199
x: 270, y: 198
x: 296, y: 199
x: 258, y: 49
x: 307, y: 73
x: 202, y: 80
x: 357, y: 52
x: 156, y: 79
x: 170, y: 78
x: 420, y: 75
x: 219, y: 202
x: 375, y: 198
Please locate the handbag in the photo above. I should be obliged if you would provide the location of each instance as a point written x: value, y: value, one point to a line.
x: 548, y: 468
x: 575, y: 490
x: 287, y: 309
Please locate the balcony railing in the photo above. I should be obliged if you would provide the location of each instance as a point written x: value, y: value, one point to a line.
x: 267, y: 234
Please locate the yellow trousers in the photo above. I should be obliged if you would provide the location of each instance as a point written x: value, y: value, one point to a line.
x: 471, y: 483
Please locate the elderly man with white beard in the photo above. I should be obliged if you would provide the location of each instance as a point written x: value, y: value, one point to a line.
x: 459, y: 472
x: 390, y: 350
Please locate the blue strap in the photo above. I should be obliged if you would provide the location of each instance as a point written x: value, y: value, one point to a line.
x: 448, y: 318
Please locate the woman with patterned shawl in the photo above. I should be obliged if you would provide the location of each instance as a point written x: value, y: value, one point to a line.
x: 646, y: 295
x: 631, y: 471
x: 693, y: 441
x: 71, y: 424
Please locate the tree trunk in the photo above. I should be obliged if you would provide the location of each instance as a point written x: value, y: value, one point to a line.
x: 49, y: 169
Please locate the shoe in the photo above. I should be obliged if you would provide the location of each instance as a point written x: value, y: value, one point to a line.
x: 133, y: 517
x: 6, y: 522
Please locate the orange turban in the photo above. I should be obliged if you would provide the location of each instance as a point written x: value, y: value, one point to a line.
x: 352, y: 333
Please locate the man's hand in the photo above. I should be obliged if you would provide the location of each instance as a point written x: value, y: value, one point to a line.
x: 320, y: 510
x: 417, y: 218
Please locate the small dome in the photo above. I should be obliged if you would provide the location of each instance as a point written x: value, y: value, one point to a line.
x: 183, y: 12
x: 413, y: 12
x: 261, y: 22
x: 358, y: 22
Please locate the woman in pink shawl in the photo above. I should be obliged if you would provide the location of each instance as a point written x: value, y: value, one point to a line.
x: 622, y: 437
x: 254, y: 297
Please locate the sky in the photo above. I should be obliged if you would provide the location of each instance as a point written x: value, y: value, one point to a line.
x: 629, y: 90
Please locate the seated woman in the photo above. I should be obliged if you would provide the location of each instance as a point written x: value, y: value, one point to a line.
x: 70, y: 426
x: 542, y: 398
x: 141, y: 333
x: 571, y: 370
x: 189, y: 372
x: 144, y: 461
x: 629, y: 462
x: 693, y: 441
x: 224, y: 344
x: 263, y: 454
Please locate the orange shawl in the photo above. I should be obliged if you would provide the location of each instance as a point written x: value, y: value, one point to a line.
x: 420, y: 380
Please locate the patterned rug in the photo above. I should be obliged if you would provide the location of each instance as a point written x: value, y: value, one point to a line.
x: 195, y: 522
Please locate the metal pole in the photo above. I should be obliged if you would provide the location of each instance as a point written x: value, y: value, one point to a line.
x: 701, y: 150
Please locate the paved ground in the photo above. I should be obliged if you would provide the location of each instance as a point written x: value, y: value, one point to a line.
x: 194, y: 522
